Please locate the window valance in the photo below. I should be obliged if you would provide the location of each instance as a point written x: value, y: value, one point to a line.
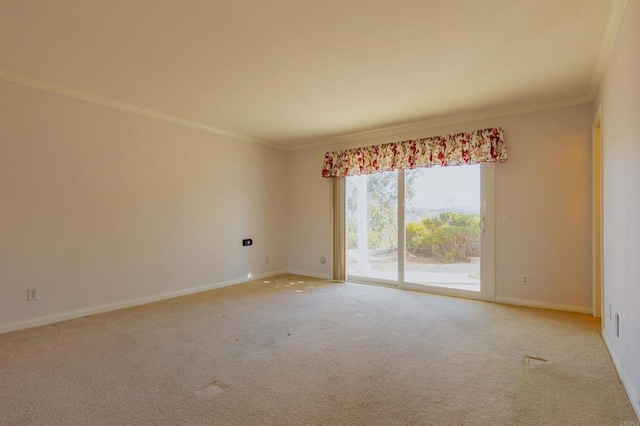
x: 486, y: 145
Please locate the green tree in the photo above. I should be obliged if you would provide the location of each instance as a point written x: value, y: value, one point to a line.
x: 382, y: 209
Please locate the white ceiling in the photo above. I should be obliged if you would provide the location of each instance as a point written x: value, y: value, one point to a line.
x: 300, y: 72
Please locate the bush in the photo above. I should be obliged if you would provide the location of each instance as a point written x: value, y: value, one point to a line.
x: 448, y: 237
x: 416, y: 238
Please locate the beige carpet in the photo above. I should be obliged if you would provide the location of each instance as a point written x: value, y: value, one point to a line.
x: 297, y: 351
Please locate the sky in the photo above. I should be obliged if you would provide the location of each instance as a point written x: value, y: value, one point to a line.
x: 440, y: 187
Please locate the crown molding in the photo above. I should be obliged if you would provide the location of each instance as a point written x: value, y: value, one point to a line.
x: 425, y: 125
x: 417, y: 126
x: 112, y: 103
x: 611, y: 30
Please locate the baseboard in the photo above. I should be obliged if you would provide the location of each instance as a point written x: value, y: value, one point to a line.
x: 309, y: 274
x: 20, y: 325
x: 543, y: 305
x: 633, y: 395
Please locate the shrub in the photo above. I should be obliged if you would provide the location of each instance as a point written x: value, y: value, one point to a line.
x: 448, y: 237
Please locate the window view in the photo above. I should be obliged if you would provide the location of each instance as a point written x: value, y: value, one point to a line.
x: 372, y: 225
x: 442, y: 226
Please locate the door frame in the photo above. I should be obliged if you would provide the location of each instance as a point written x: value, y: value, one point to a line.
x: 487, y: 257
x: 597, y: 255
x: 487, y: 248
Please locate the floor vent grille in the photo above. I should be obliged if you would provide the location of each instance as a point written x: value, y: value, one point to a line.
x: 533, y: 361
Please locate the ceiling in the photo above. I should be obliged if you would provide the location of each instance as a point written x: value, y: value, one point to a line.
x: 302, y: 72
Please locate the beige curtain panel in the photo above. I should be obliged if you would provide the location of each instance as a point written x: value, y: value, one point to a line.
x: 338, y: 199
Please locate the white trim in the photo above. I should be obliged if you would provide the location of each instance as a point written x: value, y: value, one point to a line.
x: 487, y: 266
x: 487, y: 250
x: 112, y: 103
x: 597, y: 260
x: 488, y: 241
x: 631, y: 393
x: 416, y: 126
x: 402, y: 230
x: 19, y: 325
x: 425, y: 125
x: 309, y: 274
x: 444, y: 291
x: 611, y: 30
x: 543, y: 305
x: 359, y: 279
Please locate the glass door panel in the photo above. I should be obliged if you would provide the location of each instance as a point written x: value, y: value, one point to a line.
x: 372, y: 226
x: 442, y: 218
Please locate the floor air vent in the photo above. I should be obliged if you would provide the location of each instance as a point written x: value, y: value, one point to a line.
x: 533, y: 361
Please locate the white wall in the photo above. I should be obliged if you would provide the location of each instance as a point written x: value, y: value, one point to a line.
x: 544, y: 188
x: 619, y: 95
x: 101, y: 207
x: 309, y: 215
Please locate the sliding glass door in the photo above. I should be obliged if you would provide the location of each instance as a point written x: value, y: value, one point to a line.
x: 442, y: 227
x: 444, y: 215
x: 372, y: 226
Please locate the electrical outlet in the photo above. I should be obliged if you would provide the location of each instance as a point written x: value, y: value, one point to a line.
x: 323, y: 260
x: 266, y: 260
x: 32, y: 294
x: 524, y: 280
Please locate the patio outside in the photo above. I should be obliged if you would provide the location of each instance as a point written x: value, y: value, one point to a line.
x: 383, y: 264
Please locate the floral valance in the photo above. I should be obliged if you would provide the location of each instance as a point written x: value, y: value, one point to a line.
x: 479, y: 146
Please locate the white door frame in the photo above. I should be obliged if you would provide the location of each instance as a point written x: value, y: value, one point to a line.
x: 597, y: 256
x: 487, y: 249
x: 487, y: 258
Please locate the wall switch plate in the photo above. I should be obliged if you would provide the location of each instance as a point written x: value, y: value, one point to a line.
x: 505, y: 221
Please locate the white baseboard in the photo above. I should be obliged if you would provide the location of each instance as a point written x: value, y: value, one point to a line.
x: 543, y: 305
x: 633, y: 395
x: 309, y: 274
x: 20, y: 325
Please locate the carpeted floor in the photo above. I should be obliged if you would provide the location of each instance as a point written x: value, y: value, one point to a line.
x: 298, y: 351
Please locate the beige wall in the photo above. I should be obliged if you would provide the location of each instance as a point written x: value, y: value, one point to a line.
x: 100, y: 207
x: 309, y: 214
x: 619, y: 96
x: 544, y: 188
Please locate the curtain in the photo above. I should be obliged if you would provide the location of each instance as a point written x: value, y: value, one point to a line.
x: 486, y: 145
x: 338, y: 199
